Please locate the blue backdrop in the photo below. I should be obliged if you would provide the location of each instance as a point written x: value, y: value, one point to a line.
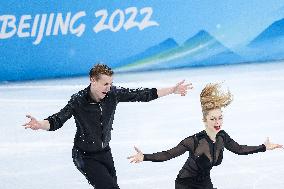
x: 47, y: 39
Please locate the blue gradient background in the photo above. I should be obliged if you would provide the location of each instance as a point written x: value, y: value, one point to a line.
x: 233, y: 23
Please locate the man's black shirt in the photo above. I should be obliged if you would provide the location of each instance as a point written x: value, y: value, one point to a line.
x: 94, y: 119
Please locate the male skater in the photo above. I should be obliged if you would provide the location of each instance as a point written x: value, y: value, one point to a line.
x: 93, y: 109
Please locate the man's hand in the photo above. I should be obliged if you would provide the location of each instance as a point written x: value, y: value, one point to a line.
x: 179, y: 88
x: 182, y: 88
x: 34, y: 124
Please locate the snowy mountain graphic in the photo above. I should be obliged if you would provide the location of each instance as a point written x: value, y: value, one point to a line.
x: 164, y: 46
x: 200, y: 50
x: 269, y: 44
x: 274, y: 31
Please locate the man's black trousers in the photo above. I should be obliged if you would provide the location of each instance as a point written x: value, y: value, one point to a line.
x: 97, y: 167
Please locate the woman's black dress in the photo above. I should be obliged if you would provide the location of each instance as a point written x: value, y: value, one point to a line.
x: 203, y: 155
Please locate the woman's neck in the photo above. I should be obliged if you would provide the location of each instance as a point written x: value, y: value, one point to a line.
x: 211, y: 135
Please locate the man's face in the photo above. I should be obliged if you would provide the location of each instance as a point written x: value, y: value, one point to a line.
x: 101, y: 86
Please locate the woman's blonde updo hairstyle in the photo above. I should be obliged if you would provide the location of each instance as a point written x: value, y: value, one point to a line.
x: 211, y: 97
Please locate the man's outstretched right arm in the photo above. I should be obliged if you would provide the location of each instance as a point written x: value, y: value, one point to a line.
x: 53, y: 122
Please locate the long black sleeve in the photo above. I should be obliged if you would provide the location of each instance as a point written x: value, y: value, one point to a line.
x: 185, y: 145
x: 135, y: 95
x: 236, y: 148
x: 57, y: 120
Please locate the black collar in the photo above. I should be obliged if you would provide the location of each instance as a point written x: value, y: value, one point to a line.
x: 89, y: 97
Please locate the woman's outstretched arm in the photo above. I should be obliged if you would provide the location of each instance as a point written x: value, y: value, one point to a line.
x: 185, y: 145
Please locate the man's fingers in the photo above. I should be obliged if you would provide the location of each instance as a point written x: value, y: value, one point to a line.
x: 183, y: 89
x: 130, y: 157
x: 31, y: 117
x: 180, y: 83
x: 186, y: 87
x: 28, y: 126
x: 137, y: 150
x: 33, y: 127
x: 189, y: 86
x: 183, y: 93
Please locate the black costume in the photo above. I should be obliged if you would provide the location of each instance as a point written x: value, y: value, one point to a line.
x: 203, y: 155
x: 91, y: 152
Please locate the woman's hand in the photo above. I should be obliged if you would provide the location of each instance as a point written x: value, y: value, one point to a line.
x: 138, y: 157
x: 271, y: 146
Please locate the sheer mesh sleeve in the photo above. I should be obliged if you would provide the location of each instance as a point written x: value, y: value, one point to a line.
x: 236, y: 148
x: 185, y: 145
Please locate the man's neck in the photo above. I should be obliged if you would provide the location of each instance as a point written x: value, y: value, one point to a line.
x: 94, y: 96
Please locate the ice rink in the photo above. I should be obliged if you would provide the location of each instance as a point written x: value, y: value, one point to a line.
x: 42, y: 160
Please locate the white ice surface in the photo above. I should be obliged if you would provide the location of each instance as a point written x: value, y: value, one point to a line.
x: 42, y: 160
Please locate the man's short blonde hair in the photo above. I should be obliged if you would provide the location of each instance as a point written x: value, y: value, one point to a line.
x: 100, y: 69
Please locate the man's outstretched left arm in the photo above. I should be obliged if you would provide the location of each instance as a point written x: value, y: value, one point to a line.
x: 146, y: 94
x: 180, y: 88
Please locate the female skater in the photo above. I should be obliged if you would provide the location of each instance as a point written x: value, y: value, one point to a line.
x: 206, y: 147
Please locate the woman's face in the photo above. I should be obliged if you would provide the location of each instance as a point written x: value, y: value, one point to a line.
x: 214, y: 120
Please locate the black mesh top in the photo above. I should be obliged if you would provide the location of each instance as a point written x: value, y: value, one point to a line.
x: 203, y: 153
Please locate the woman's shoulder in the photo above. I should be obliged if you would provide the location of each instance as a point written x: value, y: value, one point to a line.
x: 200, y: 135
x: 223, y: 134
x: 195, y: 137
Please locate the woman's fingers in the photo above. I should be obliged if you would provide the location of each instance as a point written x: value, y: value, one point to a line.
x: 134, y: 159
x: 272, y: 146
x: 137, y: 158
